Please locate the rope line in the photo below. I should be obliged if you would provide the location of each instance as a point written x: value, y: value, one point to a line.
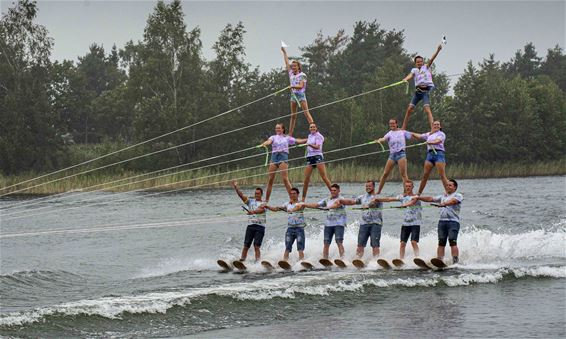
x: 146, y: 141
x: 203, y: 139
x: 213, y: 183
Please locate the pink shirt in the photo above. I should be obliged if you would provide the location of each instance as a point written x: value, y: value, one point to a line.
x: 314, y: 139
x: 396, y: 140
x: 280, y: 143
x: 433, y: 136
x: 422, y: 76
x: 296, y: 80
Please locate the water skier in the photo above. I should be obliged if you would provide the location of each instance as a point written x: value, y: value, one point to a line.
x: 298, y: 81
x: 256, y: 221
x: 295, y: 224
x: 279, y: 157
x: 335, y: 220
x: 395, y: 138
x: 423, y: 85
x: 314, y: 159
x: 449, y: 223
x: 372, y: 218
x: 412, y: 219
x: 435, y: 156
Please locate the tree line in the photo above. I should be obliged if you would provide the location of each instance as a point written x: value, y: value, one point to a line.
x: 55, y: 114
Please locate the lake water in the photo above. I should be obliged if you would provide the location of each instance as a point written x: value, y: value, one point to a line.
x: 138, y: 265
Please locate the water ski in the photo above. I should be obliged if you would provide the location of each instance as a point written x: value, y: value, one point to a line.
x: 398, y: 262
x: 307, y: 265
x: 225, y: 266
x: 325, y: 262
x: 284, y: 265
x: 239, y: 265
x: 358, y: 263
x: 438, y: 263
x: 383, y: 263
x: 340, y: 263
x: 267, y: 265
x: 421, y: 263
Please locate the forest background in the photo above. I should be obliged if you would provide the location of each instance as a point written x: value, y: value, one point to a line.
x: 501, y: 117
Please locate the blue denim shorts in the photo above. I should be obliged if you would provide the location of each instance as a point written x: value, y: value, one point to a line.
x: 300, y: 97
x: 295, y: 233
x: 447, y: 230
x: 435, y: 157
x: 421, y: 94
x: 397, y: 155
x: 278, y: 157
x: 336, y: 231
x: 314, y: 160
x: 371, y: 231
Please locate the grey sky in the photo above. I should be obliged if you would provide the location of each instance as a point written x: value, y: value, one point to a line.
x: 473, y: 28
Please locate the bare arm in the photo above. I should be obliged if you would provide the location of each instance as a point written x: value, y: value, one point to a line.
x: 408, y: 77
x: 273, y: 209
x: 300, y: 141
x: 287, y: 66
x: 267, y: 142
x: 309, y: 205
x: 426, y: 199
x: 434, y: 55
x: 416, y: 135
x: 450, y: 202
x: 347, y: 202
x: 385, y: 199
x: 239, y: 193
x: 300, y: 85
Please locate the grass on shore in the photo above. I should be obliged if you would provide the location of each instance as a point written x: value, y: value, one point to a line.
x: 338, y: 172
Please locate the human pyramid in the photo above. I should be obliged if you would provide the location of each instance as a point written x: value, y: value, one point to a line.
x: 371, y: 202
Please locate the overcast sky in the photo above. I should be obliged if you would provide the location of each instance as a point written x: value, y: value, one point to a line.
x: 473, y: 28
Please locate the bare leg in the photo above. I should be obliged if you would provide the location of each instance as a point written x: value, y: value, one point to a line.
x: 293, y: 117
x: 440, y: 252
x: 244, y: 253
x: 441, y: 168
x: 388, y: 167
x: 271, y: 171
x: 375, y: 251
x: 325, y: 251
x: 301, y: 255
x: 426, y: 173
x: 286, y: 255
x: 403, y: 169
x: 429, y: 115
x: 359, y: 251
x: 410, y: 110
x: 284, y: 176
x: 454, y: 250
x: 305, y: 107
x: 402, y: 249
x: 257, y: 253
x: 415, y: 248
x: 322, y: 171
x: 340, y: 249
x: 308, y: 172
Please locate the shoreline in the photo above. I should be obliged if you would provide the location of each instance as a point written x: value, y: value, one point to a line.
x: 340, y: 173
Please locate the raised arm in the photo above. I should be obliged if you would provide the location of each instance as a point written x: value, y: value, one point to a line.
x: 239, y: 193
x: 287, y: 65
x: 434, y: 56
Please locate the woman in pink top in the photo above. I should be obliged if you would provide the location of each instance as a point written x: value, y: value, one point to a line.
x: 435, y: 154
x: 423, y: 85
x: 298, y: 81
x: 279, y: 157
x: 314, y: 159
x: 396, y: 140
